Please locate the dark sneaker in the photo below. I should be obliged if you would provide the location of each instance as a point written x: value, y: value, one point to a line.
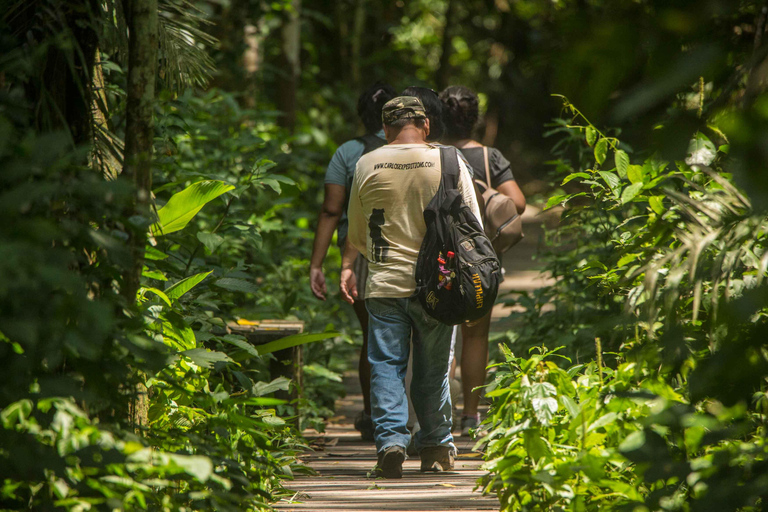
x: 390, y: 463
x: 437, y: 458
x: 364, y: 425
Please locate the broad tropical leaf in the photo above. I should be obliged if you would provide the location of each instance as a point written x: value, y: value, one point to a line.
x: 292, y: 341
x: 179, y: 288
x: 184, y: 205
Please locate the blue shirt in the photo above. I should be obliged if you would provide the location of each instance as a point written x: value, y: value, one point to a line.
x: 340, y: 171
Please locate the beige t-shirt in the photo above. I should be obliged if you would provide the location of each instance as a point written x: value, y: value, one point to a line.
x: 391, y: 188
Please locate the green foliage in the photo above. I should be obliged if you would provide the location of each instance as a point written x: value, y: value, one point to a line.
x: 558, y: 433
x: 665, y: 264
x: 115, y: 403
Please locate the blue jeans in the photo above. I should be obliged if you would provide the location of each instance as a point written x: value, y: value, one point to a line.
x: 393, y: 323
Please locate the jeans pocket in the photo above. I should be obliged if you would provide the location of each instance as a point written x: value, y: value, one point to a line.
x: 380, y: 306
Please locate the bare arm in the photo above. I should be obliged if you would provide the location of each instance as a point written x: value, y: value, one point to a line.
x: 333, y: 207
x: 512, y: 189
x: 348, y: 277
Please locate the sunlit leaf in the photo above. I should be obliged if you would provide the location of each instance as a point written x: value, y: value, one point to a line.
x: 184, y: 205
x: 206, y: 358
x: 610, y: 178
x: 535, y: 446
x: 180, y: 288
x: 601, y: 151
x: 591, y: 135
x: 575, y: 175
x: 701, y: 150
x: 636, y: 174
x: 657, y: 204
x: 144, y: 289
x: 631, y: 192
x: 265, y: 388
x: 294, y: 340
x: 555, y: 200
x: 622, y: 162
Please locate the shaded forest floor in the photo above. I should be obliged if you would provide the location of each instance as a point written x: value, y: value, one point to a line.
x: 342, y: 460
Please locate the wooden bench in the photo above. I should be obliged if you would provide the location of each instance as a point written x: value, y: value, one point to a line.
x: 287, y: 362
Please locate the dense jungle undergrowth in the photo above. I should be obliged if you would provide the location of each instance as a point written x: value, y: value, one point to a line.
x: 638, y: 380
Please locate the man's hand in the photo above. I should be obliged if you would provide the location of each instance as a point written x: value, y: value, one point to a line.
x: 348, y: 285
x: 317, y: 282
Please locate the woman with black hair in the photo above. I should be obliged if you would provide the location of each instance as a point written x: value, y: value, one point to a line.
x: 338, y: 184
x: 433, y: 107
x: 460, y: 115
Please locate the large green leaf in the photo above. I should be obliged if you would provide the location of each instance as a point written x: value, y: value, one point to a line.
x: 292, y: 341
x: 211, y: 240
x: 184, y: 205
x: 236, y: 285
x: 601, y: 150
x: 636, y: 173
x: 610, y: 178
x: 265, y: 388
x: 206, y: 358
x: 179, y: 288
x: 622, y: 162
x: 591, y: 136
x: 701, y: 150
x: 631, y: 192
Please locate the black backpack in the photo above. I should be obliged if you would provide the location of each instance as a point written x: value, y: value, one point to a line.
x: 457, y: 272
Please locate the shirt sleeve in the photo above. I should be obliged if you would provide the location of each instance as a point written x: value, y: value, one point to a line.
x: 467, y: 190
x: 342, y: 165
x: 501, y: 168
x: 357, y: 233
x: 336, y: 173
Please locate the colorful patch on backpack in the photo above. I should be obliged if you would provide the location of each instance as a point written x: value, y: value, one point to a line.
x: 432, y: 300
x: 468, y: 245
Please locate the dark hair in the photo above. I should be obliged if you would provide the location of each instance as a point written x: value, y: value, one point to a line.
x: 370, y: 102
x: 418, y: 123
x: 460, y: 113
x: 433, y: 107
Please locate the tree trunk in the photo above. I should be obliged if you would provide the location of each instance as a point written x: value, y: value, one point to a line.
x: 139, y: 135
x: 104, y: 142
x: 343, y: 36
x: 289, y: 66
x: 358, y: 28
x: 139, y: 128
x: 444, y: 71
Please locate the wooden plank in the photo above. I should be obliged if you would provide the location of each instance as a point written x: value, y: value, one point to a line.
x: 342, y: 461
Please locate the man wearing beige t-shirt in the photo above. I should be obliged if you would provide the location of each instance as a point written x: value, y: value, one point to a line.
x: 391, y: 188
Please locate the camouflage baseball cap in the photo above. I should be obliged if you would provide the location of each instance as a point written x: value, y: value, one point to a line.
x: 402, y: 107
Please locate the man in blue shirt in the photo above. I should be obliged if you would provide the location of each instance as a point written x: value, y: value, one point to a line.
x: 338, y: 183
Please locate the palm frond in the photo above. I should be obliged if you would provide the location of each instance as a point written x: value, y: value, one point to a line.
x: 184, y: 61
x: 720, y: 242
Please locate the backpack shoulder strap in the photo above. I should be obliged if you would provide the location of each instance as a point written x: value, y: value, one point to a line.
x: 449, y: 165
x: 487, y: 167
x: 370, y: 142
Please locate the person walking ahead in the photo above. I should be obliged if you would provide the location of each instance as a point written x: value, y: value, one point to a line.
x: 338, y: 183
x: 391, y: 188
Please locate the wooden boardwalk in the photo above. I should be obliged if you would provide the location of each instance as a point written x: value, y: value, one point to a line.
x: 342, y: 460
